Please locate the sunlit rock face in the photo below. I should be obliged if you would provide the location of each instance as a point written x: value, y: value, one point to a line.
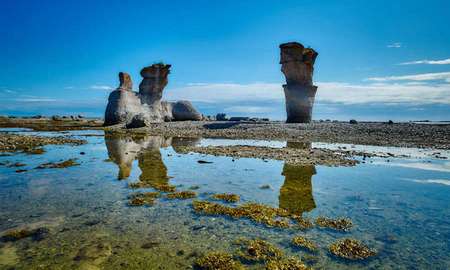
x: 297, y: 65
x: 124, y: 103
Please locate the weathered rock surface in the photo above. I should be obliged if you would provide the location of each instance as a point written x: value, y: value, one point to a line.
x: 297, y: 65
x: 138, y: 121
x: 124, y: 104
x: 184, y: 110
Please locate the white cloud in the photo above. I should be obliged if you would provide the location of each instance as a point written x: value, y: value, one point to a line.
x: 414, y: 77
x: 35, y: 99
x: 328, y: 92
x: 428, y: 62
x: 226, y: 92
x: 389, y: 93
x: 395, y: 45
x: 101, y: 87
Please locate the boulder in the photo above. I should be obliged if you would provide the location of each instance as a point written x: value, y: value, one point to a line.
x: 184, y: 110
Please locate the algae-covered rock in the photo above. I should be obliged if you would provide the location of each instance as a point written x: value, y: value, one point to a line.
x: 58, y: 165
x: 217, y: 261
x: 290, y: 263
x: 182, y: 195
x: 351, y: 249
x: 227, y: 197
x: 257, y: 250
x: 340, y: 224
x: 303, y: 242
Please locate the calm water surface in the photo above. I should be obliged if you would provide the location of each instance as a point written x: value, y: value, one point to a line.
x: 400, y: 206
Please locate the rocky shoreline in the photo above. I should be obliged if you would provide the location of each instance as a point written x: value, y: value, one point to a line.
x: 293, y: 156
x: 435, y: 136
x: 363, y: 133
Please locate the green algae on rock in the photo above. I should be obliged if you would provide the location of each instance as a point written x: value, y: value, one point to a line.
x: 351, y: 249
x: 227, y: 197
x: 290, y: 263
x: 30, y: 144
x: 270, y: 216
x: 140, y: 199
x: 257, y: 250
x: 58, y: 165
x: 161, y: 187
x: 218, y: 261
x: 303, y: 223
x: 303, y: 242
x: 182, y: 195
x: 340, y: 224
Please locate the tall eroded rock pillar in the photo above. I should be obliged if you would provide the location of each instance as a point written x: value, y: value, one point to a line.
x: 297, y: 65
x: 123, y: 103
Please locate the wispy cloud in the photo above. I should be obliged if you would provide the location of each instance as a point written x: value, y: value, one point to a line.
x: 35, y: 100
x: 101, y: 87
x: 395, y: 45
x: 414, y: 77
x: 329, y: 92
x: 428, y: 62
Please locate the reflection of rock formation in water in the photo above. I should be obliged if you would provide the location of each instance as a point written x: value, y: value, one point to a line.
x: 297, y: 65
x: 124, y: 104
x: 123, y: 150
x: 296, y: 193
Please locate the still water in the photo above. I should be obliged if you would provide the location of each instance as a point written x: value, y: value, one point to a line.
x: 399, y: 206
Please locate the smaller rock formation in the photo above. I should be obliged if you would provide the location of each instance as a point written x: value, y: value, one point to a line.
x: 297, y: 65
x: 184, y: 110
x: 140, y: 109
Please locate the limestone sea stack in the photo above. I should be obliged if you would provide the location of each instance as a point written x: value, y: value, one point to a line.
x: 139, y: 109
x: 297, y: 65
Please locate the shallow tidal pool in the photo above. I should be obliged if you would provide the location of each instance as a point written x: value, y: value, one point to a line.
x: 399, y: 207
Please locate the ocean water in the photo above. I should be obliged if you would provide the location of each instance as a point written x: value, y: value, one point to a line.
x: 399, y: 206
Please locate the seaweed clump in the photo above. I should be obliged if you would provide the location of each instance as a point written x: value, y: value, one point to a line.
x: 303, y: 223
x: 290, y: 263
x: 303, y: 242
x: 182, y: 195
x: 140, y: 199
x: 161, y: 187
x: 218, y: 261
x: 227, y: 197
x: 270, y: 216
x: 64, y: 164
x: 340, y: 224
x: 351, y: 249
x: 258, y: 250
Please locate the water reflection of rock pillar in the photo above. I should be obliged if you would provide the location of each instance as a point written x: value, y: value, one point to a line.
x: 154, y: 172
x: 296, y: 193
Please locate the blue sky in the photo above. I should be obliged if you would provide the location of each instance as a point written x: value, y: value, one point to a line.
x: 378, y: 60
